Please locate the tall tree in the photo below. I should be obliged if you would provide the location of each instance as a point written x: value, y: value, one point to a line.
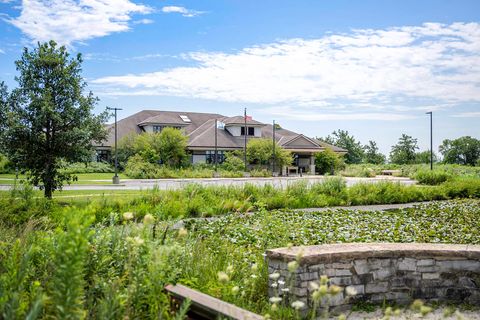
x: 51, y: 118
x: 372, y: 155
x: 4, y: 100
x: 464, y: 150
x: 342, y: 139
x: 404, y: 151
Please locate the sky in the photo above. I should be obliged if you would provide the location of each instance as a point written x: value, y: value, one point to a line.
x: 373, y: 68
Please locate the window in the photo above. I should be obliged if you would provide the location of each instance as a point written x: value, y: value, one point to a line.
x: 250, y: 130
x: 157, y: 128
x: 185, y: 119
x: 103, y: 155
x: 210, y: 156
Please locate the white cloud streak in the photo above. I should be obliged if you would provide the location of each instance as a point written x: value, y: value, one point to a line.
x: 68, y: 21
x: 405, y: 69
x: 467, y: 115
x: 182, y: 10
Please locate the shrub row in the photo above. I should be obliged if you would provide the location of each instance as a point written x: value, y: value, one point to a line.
x: 204, y: 201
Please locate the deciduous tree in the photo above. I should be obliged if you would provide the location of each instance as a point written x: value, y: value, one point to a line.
x: 50, y: 119
x: 464, y: 150
x: 260, y: 151
x: 342, y: 139
x: 372, y: 155
x: 404, y: 151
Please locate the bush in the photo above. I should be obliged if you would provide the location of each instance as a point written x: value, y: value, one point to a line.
x: 138, y: 168
x: 233, y: 162
x: 431, y: 177
x: 327, y: 161
x: 260, y: 173
x: 89, y: 167
x: 5, y: 164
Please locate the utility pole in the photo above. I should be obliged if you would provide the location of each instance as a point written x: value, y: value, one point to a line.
x: 273, y: 144
x: 245, y: 141
x: 431, y: 139
x: 115, y: 179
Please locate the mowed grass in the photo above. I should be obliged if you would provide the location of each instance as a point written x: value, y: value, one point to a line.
x: 83, y: 178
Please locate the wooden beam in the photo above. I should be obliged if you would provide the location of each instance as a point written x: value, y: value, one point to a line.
x: 208, y: 307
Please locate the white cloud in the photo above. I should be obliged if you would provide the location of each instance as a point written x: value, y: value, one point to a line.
x: 403, y: 69
x: 332, y: 114
x: 144, y: 21
x: 68, y: 21
x: 467, y: 115
x: 182, y: 10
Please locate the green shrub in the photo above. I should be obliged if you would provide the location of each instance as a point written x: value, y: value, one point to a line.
x: 327, y: 162
x: 89, y: 167
x: 138, y: 168
x: 233, y: 162
x: 431, y: 177
x: 260, y: 173
x: 5, y: 164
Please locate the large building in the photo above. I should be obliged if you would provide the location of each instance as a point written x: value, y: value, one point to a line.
x: 200, y: 129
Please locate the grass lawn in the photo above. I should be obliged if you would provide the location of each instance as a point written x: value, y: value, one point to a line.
x: 83, y: 178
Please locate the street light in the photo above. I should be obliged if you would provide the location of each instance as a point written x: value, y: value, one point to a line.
x: 431, y: 139
x: 115, y: 179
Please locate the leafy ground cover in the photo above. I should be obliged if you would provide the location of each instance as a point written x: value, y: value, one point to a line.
x: 116, y: 267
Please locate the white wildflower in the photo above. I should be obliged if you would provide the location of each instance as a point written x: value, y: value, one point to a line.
x: 298, y: 305
x: 275, y: 299
x: 274, y: 276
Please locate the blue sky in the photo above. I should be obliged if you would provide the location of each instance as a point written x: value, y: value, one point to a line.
x: 370, y: 67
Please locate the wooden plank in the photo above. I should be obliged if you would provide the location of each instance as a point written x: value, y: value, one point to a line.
x: 209, y: 307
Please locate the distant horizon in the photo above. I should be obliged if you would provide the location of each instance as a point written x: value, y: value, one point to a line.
x: 372, y: 68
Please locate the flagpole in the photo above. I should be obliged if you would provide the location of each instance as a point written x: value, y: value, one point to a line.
x: 245, y: 141
x: 216, y: 152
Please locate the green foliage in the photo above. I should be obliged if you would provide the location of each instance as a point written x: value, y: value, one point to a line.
x: 66, y: 289
x: 464, y: 150
x: 139, y: 168
x: 88, y: 167
x: 372, y: 155
x: 363, y: 171
x: 260, y: 153
x: 342, y: 139
x: 233, y: 162
x: 50, y: 119
x: 172, y: 146
x: 432, y: 177
x: 327, y: 161
x: 5, y: 164
x: 167, y: 147
x: 404, y: 151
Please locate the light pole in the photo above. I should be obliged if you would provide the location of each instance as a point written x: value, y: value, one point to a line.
x: 115, y: 179
x: 245, y: 139
x: 273, y: 148
x: 431, y: 139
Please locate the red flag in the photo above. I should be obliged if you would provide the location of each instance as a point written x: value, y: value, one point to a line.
x: 248, y: 118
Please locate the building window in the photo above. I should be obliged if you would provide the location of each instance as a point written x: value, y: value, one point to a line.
x: 250, y: 130
x: 210, y: 156
x: 103, y: 156
x: 157, y: 128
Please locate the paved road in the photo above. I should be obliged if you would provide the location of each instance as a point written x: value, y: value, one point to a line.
x: 278, y: 182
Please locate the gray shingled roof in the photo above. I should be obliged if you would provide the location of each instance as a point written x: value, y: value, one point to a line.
x: 201, y: 130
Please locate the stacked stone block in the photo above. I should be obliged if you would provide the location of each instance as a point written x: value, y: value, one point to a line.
x: 380, y: 272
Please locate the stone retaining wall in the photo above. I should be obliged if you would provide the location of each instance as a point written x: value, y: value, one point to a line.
x: 380, y: 272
